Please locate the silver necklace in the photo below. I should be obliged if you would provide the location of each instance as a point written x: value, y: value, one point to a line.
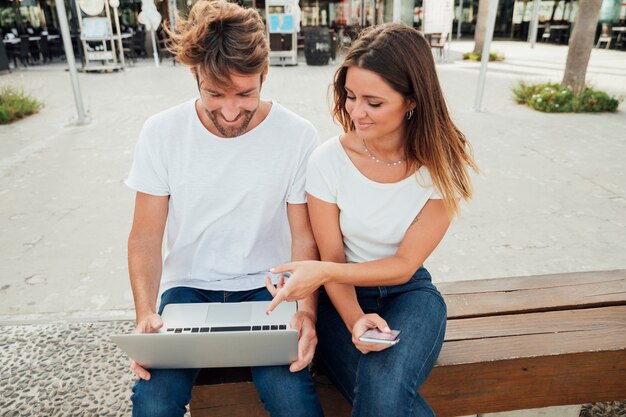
x: 389, y: 164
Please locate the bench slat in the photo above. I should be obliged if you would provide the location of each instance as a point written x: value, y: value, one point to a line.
x: 526, y: 383
x: 565, y: 321
x: 548, y: 298
x: 564, y: 336
x: 529, y: 282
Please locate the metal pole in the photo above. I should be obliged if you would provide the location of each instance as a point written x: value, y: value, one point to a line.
x: 363, y: 17
x: 491, y: 24
x: 458, y: 26
x: 534, y: 24
x: 155, y: 52
x: 69, y: 54
x: 171, y: 8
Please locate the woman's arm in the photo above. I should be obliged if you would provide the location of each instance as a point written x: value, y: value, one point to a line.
x: 325, y: 223
x: 420, y: 239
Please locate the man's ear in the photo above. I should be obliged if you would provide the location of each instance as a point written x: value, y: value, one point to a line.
x: 265, y: 71
x: 194, y: 72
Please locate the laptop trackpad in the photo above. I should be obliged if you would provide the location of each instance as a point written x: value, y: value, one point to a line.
x: 227, y: 313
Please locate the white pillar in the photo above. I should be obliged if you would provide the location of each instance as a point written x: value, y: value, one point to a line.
x: 397, y: 10
x: 155, y: 51
x: 71, y: 62
x: 534, y: 24
x: 491, y: 24
x: 460, y: 19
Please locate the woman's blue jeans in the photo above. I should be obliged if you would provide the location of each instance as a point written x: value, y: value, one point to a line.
x: 168, y: 391
x: 385, y: 383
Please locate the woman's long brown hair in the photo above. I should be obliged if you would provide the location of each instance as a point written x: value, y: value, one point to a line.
x: 402, y: 57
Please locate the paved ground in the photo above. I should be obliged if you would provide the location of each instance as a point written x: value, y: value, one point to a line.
x: 551, y: 198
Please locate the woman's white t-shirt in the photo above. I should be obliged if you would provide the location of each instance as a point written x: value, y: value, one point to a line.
x: 373, y: 216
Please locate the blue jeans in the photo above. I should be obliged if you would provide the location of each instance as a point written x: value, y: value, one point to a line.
x: 385, y: 383
x: 168, y: 391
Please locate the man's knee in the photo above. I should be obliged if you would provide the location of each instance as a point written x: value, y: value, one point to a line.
x: 153, y: 399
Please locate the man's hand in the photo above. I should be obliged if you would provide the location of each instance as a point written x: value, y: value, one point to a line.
x: 150, y: 324
x: 307, y: 340
x: 305, y: 277
x: 365, y: 323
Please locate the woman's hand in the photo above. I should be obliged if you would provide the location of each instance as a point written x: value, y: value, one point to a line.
x: 304, y: 278
x: 365, y: 323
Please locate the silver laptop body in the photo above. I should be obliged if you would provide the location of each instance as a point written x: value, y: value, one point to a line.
x: 215, y: 335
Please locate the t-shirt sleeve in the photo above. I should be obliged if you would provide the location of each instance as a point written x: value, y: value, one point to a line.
x: 435, y: 195
x: 297, y: 193
x: 426, y: 181
x: 320, y: 181
x: 148, y: 173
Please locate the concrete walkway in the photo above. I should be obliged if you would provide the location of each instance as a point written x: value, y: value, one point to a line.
x: 551, y: 198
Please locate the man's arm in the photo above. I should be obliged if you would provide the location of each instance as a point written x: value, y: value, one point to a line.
x: 303, y: 247
x: 144, y: 251
x: 145, y: 263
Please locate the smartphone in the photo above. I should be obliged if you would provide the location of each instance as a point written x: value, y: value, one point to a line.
x: 376, y: 336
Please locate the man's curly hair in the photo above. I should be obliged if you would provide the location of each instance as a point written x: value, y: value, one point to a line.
x: 219, y: 38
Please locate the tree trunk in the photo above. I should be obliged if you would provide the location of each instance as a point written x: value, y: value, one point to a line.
x: 580, y: 45
x: 481, y: 26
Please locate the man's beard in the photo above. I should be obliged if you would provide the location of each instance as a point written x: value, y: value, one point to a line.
x: 234, y: 131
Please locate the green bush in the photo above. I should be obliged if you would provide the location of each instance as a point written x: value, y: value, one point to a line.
x: 16, y: 104
x: 493, y: 56
x: 554, y: 98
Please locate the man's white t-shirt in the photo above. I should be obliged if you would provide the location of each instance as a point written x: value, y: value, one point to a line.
x: 373, y: 216
x: 227, y: 221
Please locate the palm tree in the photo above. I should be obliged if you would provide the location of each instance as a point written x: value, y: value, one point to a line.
x: 580, y: 45
x: 481, y: 26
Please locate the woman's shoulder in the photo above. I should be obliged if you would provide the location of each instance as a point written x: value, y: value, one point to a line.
x: 328, y: 152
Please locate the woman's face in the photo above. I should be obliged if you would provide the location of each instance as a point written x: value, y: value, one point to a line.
x: 376, y: 109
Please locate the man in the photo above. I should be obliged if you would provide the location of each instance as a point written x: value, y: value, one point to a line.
x: 225, y: 173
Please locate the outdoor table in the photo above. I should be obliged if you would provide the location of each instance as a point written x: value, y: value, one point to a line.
x: 620, y: 33
x: 17, y: 40
x: 558, y: 32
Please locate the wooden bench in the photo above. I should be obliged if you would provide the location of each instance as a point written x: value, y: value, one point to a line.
x: 511, y: 343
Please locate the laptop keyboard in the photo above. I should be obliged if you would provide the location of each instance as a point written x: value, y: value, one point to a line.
x: 226, y: 329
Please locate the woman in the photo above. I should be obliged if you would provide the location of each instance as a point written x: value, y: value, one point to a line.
x: 381, y: 198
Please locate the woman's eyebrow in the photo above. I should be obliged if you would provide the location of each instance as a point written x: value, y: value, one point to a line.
x: 367, y: 95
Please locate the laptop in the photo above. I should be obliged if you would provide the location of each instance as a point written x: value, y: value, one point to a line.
x: 216, y: 335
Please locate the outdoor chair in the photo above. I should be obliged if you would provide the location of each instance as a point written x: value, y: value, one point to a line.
x: 44, y: 48
x: 620, y: 42
x: 438, y: 41
x: 77, y: 47
x: 34, y: 48
x: 162, y: 47
x: 23, y: 52
x: 605, y: 36
x: 129, y: 50
x: 4, y: 58
x: 139, y: 43
x: 56, y: 48
x: 545, y: 36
